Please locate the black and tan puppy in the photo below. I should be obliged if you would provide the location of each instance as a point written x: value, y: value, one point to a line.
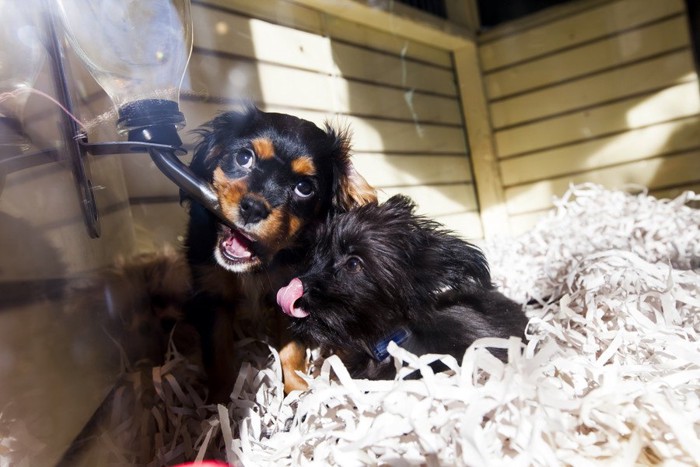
x: 276, y: 177
x: 381, y: 273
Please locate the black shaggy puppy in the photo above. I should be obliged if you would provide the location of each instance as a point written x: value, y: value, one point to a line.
x: 381, y: 273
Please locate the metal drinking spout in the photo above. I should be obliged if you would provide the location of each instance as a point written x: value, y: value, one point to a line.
x: 155, y: 122
x: 200, y: 190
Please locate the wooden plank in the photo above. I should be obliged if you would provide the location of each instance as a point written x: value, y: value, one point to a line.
x: 633, y: 145
x: 371, y: 100
x: 379, y: 136
x: 261, y: 82
x: 348, y: 31
x: 652, y: 173
x: 211, y: 77
x: 465, y: 222
x: 383, y: 170
x: 672, y: 103
x: 396, y: 18
x: 373, y: 135
x: 539, y: 18
x: 275, y: 11
x: 358, y: 63
x: 641, y: 77
x: 573, y: 30
x: 437, y: 200
x: 144, y: 180
x: 481, y: 148
x: 322, y: 25
x: 367, y: 142
x: 271, y: 43
x: 197, y: 113
x: 613, y: 51
x: 672, y: 193
x: 464, y: 13
x: 233, y: 34
x: 523, y: 223
x: 215, y: 77
x: 466, y: 225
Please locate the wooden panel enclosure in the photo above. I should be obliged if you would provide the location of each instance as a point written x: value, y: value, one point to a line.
x: 483, y: 131
x: 398, y: 96
x: 606, y: 94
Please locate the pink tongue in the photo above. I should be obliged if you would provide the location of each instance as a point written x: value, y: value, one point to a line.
x: 287, y: 296
x: 237, y: 246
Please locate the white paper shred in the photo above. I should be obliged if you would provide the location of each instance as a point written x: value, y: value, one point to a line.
x: 610, y: 374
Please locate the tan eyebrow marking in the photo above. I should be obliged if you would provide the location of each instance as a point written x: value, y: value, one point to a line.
x: 294, y: 225
x: 264, y: 148
x: 304, y: 165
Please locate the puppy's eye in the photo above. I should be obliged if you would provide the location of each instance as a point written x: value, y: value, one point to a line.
x: 304, y: 189
x: 245, y: 158
x: 353, y: 264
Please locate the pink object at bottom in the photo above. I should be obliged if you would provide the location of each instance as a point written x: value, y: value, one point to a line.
x: 203, y: 464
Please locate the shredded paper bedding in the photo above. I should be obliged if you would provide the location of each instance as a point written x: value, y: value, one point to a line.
x: 609, y: 375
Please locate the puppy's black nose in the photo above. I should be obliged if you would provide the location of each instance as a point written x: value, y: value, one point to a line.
x: 253, y: 210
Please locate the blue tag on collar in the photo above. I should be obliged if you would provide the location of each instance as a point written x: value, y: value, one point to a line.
x: 399, y: 336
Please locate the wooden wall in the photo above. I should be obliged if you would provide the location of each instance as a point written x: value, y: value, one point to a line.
x: 602, y: 92
x: 399, y: 97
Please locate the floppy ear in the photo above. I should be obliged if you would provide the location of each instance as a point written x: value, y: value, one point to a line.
x: 353, y: 190
x: 350, y: 189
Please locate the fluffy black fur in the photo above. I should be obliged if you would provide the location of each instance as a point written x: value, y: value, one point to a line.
x: 277, y: 177
x: 381, y: 267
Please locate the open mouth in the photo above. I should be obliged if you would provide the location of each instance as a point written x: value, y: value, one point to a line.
x: 236, y: 248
